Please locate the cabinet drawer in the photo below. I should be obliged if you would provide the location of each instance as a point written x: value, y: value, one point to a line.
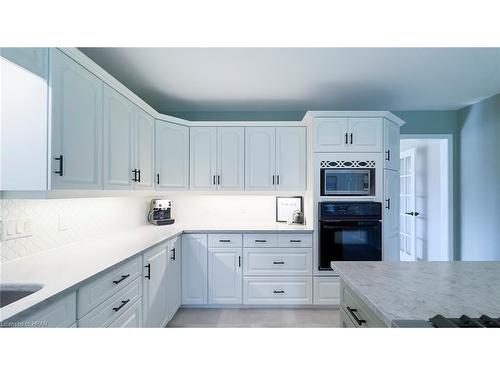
x: 294, y: 240
x: 277, y: 290
x: 260, y: 240
x: 326, y: 291
x: 114, y: 307
x: 60, y: 312
x: 131, y: 318
x: 225, y: 240
x: 357, y: 310
x: 100, y: 289
x: 276, y: 261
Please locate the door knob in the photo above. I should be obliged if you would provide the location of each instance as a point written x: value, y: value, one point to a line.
x: 412, y: 213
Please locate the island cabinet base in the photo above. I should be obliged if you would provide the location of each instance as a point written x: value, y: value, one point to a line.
x: 354, y: 313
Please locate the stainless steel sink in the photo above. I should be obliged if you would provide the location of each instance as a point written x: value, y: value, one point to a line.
x: 12, y: 292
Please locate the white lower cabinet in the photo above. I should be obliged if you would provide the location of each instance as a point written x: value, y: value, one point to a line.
x: 276, y: 261
x: 155, y: 300
x: 174, y: 274
x: 277, y: 290
x: 327, y: 290
x: 59, y: 313
x: 194, y: 269
x: 131, y: 318
x: 224, y: 276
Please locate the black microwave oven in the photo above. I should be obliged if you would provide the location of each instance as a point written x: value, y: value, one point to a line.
x: 347, y: 181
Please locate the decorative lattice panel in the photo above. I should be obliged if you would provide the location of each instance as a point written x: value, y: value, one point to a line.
x: 347, y: 164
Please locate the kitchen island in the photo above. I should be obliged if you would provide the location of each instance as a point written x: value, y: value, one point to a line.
x: 378, y: 294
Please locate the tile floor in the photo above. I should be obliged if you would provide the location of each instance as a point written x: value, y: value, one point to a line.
x: 218, y: 318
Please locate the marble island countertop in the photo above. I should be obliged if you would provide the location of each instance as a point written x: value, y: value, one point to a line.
x: 420, y: 290
x: 67, y: 267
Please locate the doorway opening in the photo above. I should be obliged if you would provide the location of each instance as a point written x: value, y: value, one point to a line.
x: 426, y: 198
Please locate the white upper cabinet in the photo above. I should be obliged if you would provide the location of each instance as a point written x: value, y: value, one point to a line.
x: 76, y: 160
x: 260, y: 158
x: 365, y: 134
x: 348, y: 134
x: 154, y: 287
x: 144, y: 149
x: 24, y: 119
x: 291, y: 158
x: 230, y: 158
x: 391, y: 145
x: 203, y: 158
x: 118, y: 141
x: 225, y: 277
x: 172, y: 156
x: 330, y: 134
x: 390, y: 218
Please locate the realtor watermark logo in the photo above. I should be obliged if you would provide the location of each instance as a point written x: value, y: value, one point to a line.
x: 25, y: 324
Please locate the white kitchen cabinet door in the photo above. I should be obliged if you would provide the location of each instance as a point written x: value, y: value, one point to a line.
x: 154, y: 293
x: 172, y: 156
x: 291, y: 158
x: 203, y: 158
x: 230, y: 158
x: 76, y: 157
x: 119, y: 140
x: 174, y: 292
x: 260, y: 158
x: 225, y: 277
x: 194, y: 269
x: 330, y: 135
x: 390, y: 218
x: 365, y: 134
x: 144, y: 150
x: 391, y: 145
x: 24, y: 116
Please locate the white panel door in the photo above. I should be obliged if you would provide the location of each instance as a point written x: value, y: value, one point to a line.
x: 154, y: 292
x: 144, y: 149
x: 174, y: 276
x: 23, y: 119
x: 230, y: 158
x: 365, y: 135
x: 407, y: 213
x: 260, y: 158
x: 203, y: 158
x: 390, y: 220
x: 225, y: 277
x: 391, y: 145
x: 172, y: 156
x: 291, y: 158
x: 76, y: 125
x: 119, y: 138
x: 330, y: 135
x: 194, y: 269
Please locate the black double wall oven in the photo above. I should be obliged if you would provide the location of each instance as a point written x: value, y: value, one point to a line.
x: 349, y: 231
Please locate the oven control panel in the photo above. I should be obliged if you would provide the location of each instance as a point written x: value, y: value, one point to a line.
x: 350, y: 210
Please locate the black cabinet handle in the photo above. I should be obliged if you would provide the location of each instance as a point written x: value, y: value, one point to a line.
x: 119, y: 281
x: 139, y: 173
x: 351, y: 138
x: 388, y: 205
x: 277, y: 179
x: 239, y: 261
x: 121, y: 306
x: 279, y: 291
x: 273, y: 179
x: 225, y: 241
x: 260, y: 240
x: 388, y: 155
x: 148, y: 276
x: 173, y: 254
x: 214, y: 179
x: 134, y: 171
x: 295, y: 240
x: 353, y: 313
x: 412, y: 213
x: 346, y: 138
x: 218, y: 180
x: 158, y: 178
x: 278, y: 262
x: 61, y: 165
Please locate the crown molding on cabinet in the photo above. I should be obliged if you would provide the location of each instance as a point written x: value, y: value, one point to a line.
x: 311, y: 115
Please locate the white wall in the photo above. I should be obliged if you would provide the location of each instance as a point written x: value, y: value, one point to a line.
x: 431, y: 197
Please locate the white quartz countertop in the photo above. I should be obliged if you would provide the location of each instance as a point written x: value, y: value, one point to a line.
x: 420, y: 290
x: 67, y: 267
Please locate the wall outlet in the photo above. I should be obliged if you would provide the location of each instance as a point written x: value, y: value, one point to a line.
x: 13, y: 229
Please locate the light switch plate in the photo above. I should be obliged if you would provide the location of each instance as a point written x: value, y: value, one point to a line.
x: 13, y: 229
